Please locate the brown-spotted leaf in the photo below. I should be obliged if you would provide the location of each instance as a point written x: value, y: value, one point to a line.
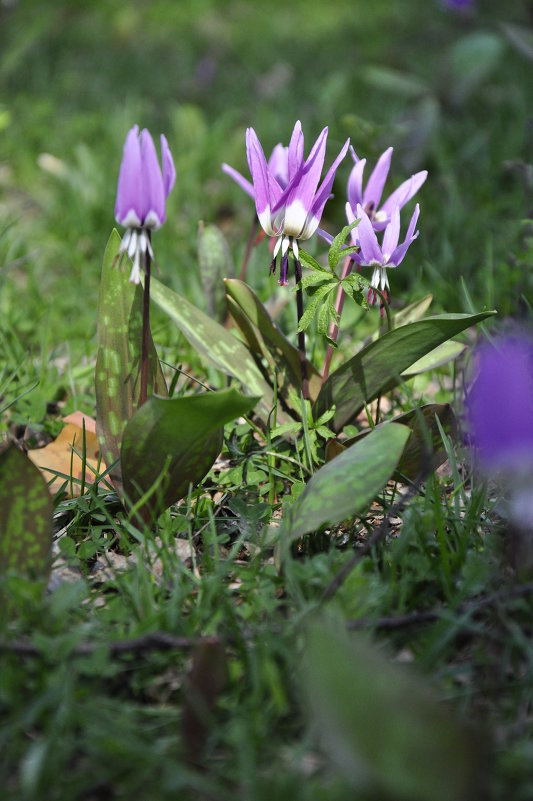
x: 170, y: 443
x: 25, y: 517
x: 275, y: 346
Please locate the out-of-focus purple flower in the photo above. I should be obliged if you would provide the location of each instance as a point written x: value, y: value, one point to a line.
x: 459, y: 4
x: 370, y: 197
x: 278, y: 164
x: 389, y: 255
x: 291, y: 212
x: 500, y: 404
x: 142, y: 192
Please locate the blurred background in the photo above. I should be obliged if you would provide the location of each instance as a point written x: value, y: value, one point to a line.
x: 450, y: 88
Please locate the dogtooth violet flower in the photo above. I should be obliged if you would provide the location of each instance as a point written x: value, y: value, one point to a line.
x: 389, y: 255
x: 142, y: 191
x: 291, y: 212
x: 278, y: 164
x: 370, y: 197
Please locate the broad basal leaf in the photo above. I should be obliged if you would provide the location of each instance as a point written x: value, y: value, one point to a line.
x: 170, y: 443
x: 215, y: 264
x: 218, y: 346
x: 25, y: 517
x: 119, y: 355
x: 382, y: 727
x: 377, y: 368
x: 424, y: 447
x: 275, y: 345
x: 346, y: 485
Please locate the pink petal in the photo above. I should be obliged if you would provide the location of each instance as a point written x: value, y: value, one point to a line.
x: 370, y: 250
x: 169, y: 170
x: 128, y: 205
x: 152, y: 188
x: 239, y: 179
x: 376, y: 182
x: 404, y: 193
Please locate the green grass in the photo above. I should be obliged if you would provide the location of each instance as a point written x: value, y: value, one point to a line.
x: 84, y: 717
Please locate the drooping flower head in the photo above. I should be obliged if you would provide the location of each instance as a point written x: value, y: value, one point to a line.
x: 382, y: 258
x: 142, y: 191
x: 499, y: 405
x: 370, y: 197
x: 292, y: 211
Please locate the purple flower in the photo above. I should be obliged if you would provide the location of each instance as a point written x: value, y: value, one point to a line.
x: 142, y: 192
x: 370, y: 197
x: 278, y: 164
x: 459, y: 4
x: 500, y: 404
x: 370, y: 254
x: 291, y: 211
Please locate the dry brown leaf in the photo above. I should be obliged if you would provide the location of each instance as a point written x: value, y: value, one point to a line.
x: 61, y: 455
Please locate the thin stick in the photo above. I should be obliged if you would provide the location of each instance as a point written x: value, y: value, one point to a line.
x: 143, y: 395
x: 334, y: 329
x: 301, y: 334
x: 248, y: 251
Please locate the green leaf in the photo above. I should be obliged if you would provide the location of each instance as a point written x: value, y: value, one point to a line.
x: 274, y: 344
x: 377, y: 368
x: 170, y: 443
x: 215, y: 264
x: 336, y: 250
x: 425, y: 437
x: 381, y: 725
x: 217, y: 345
x: 314, y: 303
x: 440, y: 355
x: 306, y: 260
x: 413, y: 312
x: 347, y: 484
x: 25, y: 517
x: 117, y: 374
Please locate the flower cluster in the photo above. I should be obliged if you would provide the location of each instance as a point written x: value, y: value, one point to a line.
x: 142, y: 192
x: 288, y: 200
x: 289, y: 207
x: 375, y: 216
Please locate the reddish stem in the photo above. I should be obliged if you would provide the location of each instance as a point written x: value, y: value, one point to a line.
x: 248, y: 251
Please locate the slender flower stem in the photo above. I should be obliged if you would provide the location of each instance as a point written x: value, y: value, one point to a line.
x: 334, y: 329
x: 301, y: 334
x: 143, y: 395
x: 249, y: 246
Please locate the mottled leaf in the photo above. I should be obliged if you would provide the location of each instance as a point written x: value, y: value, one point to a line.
x: 382, y: 727
x: 274, y: 344
x: 170, y: 443
x: 215, y: 263
x: 346, y: 485
x: 377, y: 368
x: 119, y: 351
x: 217, y: 345
x: 425, y: 442
x: 25, y: 517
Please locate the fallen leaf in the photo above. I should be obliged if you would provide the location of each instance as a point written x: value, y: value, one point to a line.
x: 61, y: 455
